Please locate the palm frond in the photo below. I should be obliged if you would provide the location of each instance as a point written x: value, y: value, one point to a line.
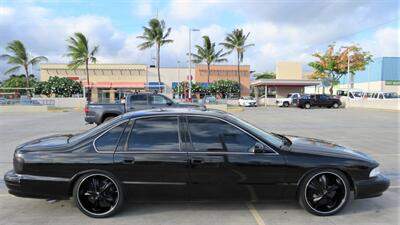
x: 12, y: 70
x: 37, y: 60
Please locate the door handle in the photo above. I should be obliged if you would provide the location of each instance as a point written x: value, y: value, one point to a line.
x: 128, y: 161
x: 197, y: 161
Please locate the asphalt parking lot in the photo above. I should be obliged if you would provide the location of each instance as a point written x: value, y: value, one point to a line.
x: 371, y: 131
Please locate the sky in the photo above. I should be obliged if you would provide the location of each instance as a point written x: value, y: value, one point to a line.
x: 281, y: 30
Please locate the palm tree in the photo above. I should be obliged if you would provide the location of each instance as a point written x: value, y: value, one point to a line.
x: 78, y: 50
x: 208, y: 54
x: 155, y: 34
x: 237, y: 41
x: 21, y: 59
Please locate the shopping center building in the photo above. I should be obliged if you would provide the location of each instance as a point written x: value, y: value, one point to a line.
x: 108, y: 82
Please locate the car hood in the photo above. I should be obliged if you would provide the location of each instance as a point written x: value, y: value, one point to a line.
x: 321, y: 147
x: 53, y: 142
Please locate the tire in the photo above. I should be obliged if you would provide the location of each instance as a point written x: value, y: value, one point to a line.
x: 307, y: 106
x: 105, y: 194
x: 286, y: 104
x: 108, y: 118
x: 335, y: 105
x: 335, y: 192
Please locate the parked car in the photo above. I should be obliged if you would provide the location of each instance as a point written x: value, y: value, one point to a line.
x: 190, y: 154
x: 247, y: 101
x: 98, y: 113
x: 291, y: 99
x: 350, y: 93
x: 384, y: 95
x: 320, y: 100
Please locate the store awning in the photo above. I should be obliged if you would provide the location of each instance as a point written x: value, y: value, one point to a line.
x: 284, y: 82
x: 116, y: 84
x: 155, y: 85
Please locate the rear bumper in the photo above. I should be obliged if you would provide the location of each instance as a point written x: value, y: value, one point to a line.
x: 90, y: 119
x: 31, y: 186
x: 372, y: 187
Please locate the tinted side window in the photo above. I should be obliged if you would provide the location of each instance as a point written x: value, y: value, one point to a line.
x: 158, y: 100
x: 139, y: 99
x: 158, y: 133
x: 208, y: 134
x: 109, y: 140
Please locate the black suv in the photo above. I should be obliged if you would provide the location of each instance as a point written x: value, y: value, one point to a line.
x: 321, y: 100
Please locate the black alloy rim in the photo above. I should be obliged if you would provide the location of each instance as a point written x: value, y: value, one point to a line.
x: 325, y: 192
x: 98, y: 194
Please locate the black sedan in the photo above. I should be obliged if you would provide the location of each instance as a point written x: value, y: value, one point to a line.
x: 190, y: 154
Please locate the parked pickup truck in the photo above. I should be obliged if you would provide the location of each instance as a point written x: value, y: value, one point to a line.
x: 321, y: 100
x: 291, y: 99
x: 98, y: 113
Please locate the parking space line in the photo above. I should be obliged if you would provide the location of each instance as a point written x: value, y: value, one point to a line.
x: 255, y: 214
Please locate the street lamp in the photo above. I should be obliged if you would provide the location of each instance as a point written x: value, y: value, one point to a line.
x: 190, y: 62
x: 179, y: 79
x: 349, y: 55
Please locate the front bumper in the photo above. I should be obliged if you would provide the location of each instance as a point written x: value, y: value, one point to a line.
x: 372, y: 187
x: 32, y: 186
x: 250, y: 104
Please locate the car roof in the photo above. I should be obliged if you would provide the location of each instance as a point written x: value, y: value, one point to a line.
x: 175, y: 111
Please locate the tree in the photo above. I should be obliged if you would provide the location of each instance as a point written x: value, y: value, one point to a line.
x: 21, y: 59
x: 59, y: 86
x: 265, y: 75
x: 80, y: 53
x: 196, y: 88
x: 236, y: 41
x: 16, y: 81
x: 333, y: 64
x: 224, y: 87
x: 156, y: 34
x: 208, y: 54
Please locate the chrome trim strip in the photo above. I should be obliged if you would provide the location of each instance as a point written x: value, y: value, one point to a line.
x: 18, y: 177
x: 154, y: 183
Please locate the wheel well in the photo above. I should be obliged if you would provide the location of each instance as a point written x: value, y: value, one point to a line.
x: 108, y: 115
x: 348, y: 177
x: 78, y: 175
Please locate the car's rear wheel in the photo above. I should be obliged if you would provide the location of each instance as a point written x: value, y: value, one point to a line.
x: 335, y: 105
x: 307, y: 106
x: 98, y: 195
x: 324, y: 192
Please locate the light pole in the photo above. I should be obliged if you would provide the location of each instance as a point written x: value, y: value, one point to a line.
x: 349, y: 55
x: 190, y: 62
x: 179, y: 79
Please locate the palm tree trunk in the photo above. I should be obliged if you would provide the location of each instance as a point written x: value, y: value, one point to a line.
x: 238, y: 72
x: 208, y: 75
x: 28, y: 92
x: 88, y: 81
x: 158, y: 68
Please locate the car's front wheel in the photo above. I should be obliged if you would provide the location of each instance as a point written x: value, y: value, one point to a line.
x: 98, y: 195
x: 335, y: 105
x: 324, y: 192
x: 307, y: 106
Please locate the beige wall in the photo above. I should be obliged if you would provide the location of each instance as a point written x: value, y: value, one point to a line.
x: 97, y: 72
x: 289, y: 70
x: 283, y: 91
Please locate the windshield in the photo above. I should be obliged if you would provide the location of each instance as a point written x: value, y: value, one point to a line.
x: 248, y: 98
x: 278, y: 142
x: 391, y: 95
x: 94, y: 130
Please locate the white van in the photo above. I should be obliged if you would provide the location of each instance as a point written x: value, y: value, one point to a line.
x: 351, y: 93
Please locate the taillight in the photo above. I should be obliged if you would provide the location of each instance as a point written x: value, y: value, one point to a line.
x: 86, y: 109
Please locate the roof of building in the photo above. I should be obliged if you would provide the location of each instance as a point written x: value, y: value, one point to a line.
x: 285, y: 82
x: 96, y: 66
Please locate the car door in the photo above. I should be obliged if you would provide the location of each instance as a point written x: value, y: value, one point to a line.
x: 137, y: 102
x: 150, y: 162
x: 222, y: 166
x: 159, y: 101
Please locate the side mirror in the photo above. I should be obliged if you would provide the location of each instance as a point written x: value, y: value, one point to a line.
x: 169, y: 103
x: 257, y: 148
